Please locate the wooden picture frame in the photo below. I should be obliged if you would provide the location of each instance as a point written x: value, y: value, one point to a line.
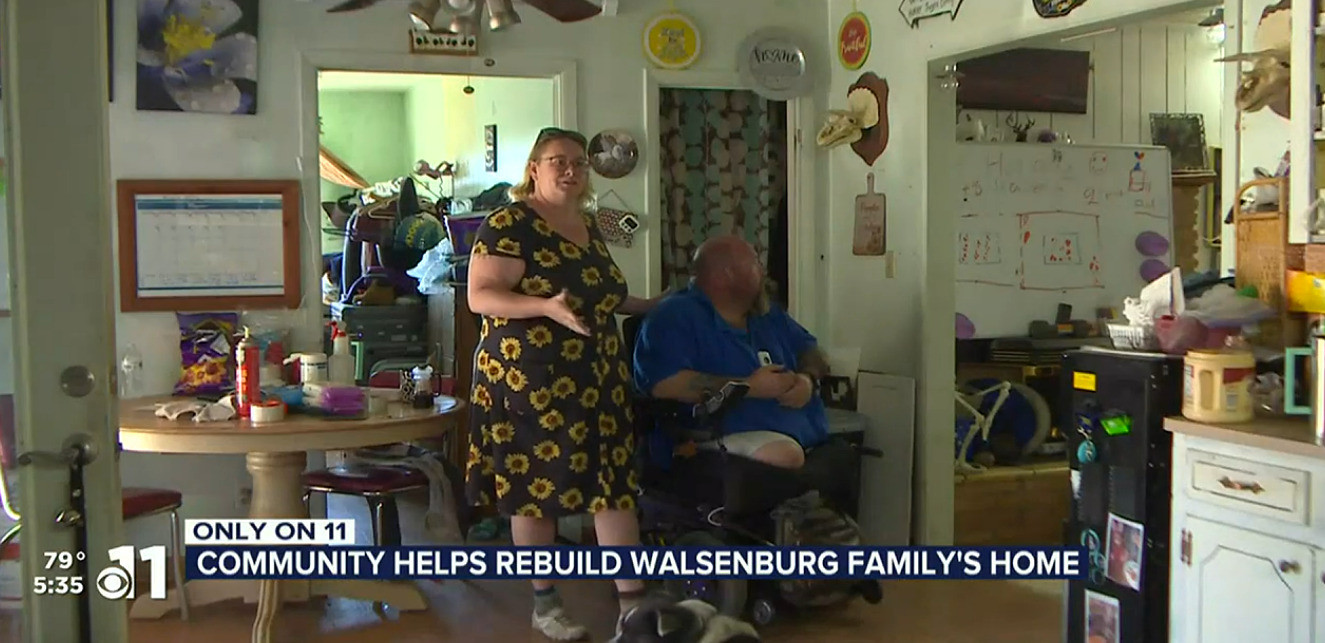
x: 490, y: 148
x: 1184, y: 136
x: 233, y: 225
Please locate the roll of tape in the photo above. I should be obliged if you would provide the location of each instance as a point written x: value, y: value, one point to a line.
x: 267, y: 411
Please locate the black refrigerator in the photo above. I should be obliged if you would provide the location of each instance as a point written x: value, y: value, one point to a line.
x: 1112, y: 411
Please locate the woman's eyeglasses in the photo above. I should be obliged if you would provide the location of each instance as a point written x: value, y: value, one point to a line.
x: 561, y: 163
x: 549, y: 133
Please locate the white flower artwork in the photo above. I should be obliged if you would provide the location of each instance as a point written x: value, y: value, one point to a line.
x: 198, y: 56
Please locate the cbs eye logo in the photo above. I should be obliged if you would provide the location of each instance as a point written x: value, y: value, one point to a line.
x: 115, y: 582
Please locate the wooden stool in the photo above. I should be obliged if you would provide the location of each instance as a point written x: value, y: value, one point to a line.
x: 378, y: 485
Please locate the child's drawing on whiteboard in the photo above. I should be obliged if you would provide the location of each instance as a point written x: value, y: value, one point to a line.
x: 979, y: 248
x: 1099, y: 163
x: 1137, y: 181
x: 1061, y: 248
x: 1063, y: 241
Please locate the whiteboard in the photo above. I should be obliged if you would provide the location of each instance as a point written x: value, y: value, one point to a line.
x: 1039, y: 225
x: 210, y: 245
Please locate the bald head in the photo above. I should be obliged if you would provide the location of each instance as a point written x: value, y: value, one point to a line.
x: 727, y: 268
x: 719, y: 255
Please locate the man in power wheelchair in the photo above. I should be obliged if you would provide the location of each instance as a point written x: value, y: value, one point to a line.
x: 734, y: 437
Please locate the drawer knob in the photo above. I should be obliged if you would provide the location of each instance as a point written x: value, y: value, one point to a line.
x: 1254, y: 487
x: 1289, y: 567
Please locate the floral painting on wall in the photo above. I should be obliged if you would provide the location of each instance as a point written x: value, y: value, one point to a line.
x: 198, y: 56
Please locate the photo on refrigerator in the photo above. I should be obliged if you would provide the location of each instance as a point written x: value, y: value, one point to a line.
x: 1102, y: 614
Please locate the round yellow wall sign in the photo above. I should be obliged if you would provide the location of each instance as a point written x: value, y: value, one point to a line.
x: 671, y: 41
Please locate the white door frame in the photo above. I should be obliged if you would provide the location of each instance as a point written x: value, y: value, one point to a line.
x: 804, y: 260
x: 561, y: 72
x: 63, y: 309
x: 564, y: 95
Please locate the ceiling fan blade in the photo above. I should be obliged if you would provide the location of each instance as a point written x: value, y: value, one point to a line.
x: 566, y: 10
x: 352, y: 5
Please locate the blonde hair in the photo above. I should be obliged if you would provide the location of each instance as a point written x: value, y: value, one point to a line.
x: 525, y: 188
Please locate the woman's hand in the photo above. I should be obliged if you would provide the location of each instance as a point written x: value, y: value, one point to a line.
x: 558, y: 310
x: 635, y: 306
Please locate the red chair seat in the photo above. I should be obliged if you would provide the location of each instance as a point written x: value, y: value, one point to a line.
x: 140, y: 501
x: 364, y: 480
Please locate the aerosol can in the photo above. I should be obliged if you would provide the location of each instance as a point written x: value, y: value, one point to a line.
x: 248, y: 379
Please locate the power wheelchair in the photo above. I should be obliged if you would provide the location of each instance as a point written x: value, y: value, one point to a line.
x: 708, y: 498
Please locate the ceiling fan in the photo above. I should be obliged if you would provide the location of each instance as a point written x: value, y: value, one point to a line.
x: 461, y: 16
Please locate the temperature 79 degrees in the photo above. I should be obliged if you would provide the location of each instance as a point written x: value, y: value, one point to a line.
x: 55, y: 581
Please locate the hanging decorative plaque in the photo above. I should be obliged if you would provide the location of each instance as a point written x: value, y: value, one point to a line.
x: 774, y: 63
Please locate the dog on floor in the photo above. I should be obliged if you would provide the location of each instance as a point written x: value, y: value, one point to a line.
x: 689, y: 621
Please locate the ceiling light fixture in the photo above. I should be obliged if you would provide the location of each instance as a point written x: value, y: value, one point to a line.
x: 1090, y: 34
x: 423, y: 13
x: 501, y: 15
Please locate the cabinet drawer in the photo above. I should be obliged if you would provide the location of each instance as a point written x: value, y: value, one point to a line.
x: 1254, y: 487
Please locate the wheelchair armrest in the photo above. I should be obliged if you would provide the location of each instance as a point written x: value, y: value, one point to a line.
x: 713, y: 404
x: 869, y: 451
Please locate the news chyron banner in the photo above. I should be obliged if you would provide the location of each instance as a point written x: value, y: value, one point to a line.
x: 325, y: 550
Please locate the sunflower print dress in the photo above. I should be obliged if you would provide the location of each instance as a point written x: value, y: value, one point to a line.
x: 550, y: 424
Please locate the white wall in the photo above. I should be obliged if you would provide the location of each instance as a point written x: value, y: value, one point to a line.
x: 1139, y: 70
x: 1264, y: 135
x: 447, y: 125
x: 892, y: 319
x: 609, y: 93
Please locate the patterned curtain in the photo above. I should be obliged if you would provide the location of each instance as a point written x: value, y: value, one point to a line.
x: 723, y: 171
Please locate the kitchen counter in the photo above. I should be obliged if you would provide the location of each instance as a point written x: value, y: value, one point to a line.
x: 1285, y: 435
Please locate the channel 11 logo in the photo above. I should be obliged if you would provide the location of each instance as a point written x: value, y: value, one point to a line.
x: 118, y: 581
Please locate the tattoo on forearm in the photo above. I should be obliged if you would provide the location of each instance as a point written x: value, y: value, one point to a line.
x: 815, y: 364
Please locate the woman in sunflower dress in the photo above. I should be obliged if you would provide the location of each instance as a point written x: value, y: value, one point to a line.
x: 550, y: 432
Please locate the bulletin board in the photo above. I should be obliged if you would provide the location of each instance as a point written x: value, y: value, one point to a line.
x: 196, y: 245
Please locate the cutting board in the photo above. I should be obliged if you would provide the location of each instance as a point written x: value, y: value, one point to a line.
x: 870, y: 238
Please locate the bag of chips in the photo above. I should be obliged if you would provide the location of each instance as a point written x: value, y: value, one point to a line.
x: 207, y: 353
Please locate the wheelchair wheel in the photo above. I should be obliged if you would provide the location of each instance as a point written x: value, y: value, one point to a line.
x: 763, y: 612
x: 729, y: 596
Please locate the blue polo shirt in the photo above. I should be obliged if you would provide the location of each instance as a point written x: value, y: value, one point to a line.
x: 685, y: 332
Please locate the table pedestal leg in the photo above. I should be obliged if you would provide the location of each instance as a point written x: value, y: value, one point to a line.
x: 277, y: 493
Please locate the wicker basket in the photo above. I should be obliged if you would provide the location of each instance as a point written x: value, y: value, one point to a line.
x: 1133, y: 338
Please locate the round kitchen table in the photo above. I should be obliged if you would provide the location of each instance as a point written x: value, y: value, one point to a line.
x: 276, y: 456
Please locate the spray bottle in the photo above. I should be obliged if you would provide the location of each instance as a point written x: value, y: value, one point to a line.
x: 248, y: 381
x: 340, y: 365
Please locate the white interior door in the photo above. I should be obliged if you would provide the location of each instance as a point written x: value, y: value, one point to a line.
x: 60, y: 280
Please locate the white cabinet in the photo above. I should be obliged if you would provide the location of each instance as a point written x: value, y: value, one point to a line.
x: 1243, y: 586
x: 1247, y: 545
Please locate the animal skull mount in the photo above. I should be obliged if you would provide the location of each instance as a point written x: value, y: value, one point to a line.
x: 1266, y: 84
x: 845, y: 126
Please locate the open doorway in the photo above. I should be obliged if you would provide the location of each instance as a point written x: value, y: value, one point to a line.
x: 461, y: 142
x: 724, y: 167
x: 1058, y: 216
